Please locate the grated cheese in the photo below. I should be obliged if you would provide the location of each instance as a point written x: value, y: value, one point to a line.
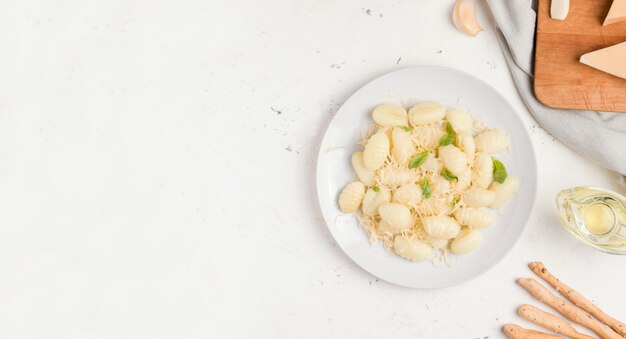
x: 446, y: 196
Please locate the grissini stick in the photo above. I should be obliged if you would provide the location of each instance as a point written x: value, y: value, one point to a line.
x: 550, y: 321
x: 517, y: 332
x: 577, y: 298
x: 567, y: 309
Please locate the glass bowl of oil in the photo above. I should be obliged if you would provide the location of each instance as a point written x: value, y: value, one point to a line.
x: 595, y: 216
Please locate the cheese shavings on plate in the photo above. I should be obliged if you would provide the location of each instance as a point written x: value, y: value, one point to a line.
x: 426, y: 180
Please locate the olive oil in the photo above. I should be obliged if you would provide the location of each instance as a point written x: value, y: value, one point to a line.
x: 595, y: 216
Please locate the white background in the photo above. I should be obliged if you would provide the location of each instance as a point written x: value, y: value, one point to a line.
x: 157, y: 173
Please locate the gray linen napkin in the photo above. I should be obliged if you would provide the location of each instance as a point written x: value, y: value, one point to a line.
x: 600, y: 136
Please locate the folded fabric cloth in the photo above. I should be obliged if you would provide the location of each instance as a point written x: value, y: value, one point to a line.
x: 600, y: 136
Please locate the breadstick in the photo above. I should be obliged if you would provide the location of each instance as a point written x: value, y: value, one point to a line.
x: 550, y: 321
x: 517, y: 332
x: 567, y: 309
x: 577, y: 298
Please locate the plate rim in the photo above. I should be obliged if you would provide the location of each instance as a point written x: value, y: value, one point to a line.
x: 533, y: 170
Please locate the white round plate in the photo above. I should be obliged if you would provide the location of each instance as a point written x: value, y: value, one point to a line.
x: 406, y: 87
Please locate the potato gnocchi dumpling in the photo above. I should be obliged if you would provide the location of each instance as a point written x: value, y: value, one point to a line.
x: 412, y: 248
x: 439, y: 185
x: 465, y: 141
x: 385, y: 228
x: 453, y: 159
x: 432, y: 164
x: 459, y: 120
x: 427, y: 179
x: 373, y: 199
x: 504, y: 191
x: 351, y: 196
x: 376, y: 151
x: 466, y: 242
x: 483, y: 170
x: 463, y: 180
x: 491, y: 141
x: 475, y: 218
x: 402, y: 146
x: 479, y: 197
x: 441, y: 227
x: 408, y: 195
x: 397, y: 216
x: 390, y: 115
x: 436, y: 243
x: 364, y: 174
x: 427, y: 113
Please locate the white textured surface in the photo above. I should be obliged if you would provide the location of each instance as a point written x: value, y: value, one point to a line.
x: 151, y: 189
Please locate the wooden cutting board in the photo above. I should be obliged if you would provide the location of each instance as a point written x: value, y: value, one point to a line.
x: 560, y: 80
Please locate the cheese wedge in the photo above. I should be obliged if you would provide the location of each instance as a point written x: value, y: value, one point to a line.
x: 617, y: 12
x: 611, y: 60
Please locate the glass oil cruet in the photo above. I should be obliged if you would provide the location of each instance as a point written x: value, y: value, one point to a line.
x: 596, y: 216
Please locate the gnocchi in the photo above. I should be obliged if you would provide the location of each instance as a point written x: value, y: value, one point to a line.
x: 439, y: 185
x: 432, y: 164
x: 463, y: 179
x: 504, y: 191
x: 426, y: 181
x: 364, y: 174
x: 373, y: 199
x: 376, y: 151
x: 412, y: 248
x: 479, y: 197
x: 483, y: 170
x: 403, y: 147
x: 351, y: 197
x: 459, y: 120
x: 436, y: 242
x: 441, y: 227
x: 491, y: 141
x: 390, y: 115
x: 427, y: 113
x: 473, y: 217
x: 386, y: 228
x: 466, y: 242
x: 453, y: 159
x: 465, y: 141
x: 408, y: 195
x: 397, y: 216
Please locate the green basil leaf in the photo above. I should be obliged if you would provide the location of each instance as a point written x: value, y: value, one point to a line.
x: 425, y: 186
x: 407, y: 128
x: 499, y: 171
x: 418, y: 159
x: 449, y: 137
x: 376, y: 189
x: 446, y: 139
x: 449, y: 129
x: 449, y: 175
